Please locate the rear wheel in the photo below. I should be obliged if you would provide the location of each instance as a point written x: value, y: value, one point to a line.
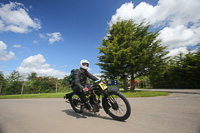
x: 75, y: 103
x: 117, y: 106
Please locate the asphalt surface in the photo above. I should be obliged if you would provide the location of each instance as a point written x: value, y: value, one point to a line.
x: 184, y: 91
x: 176, y: 113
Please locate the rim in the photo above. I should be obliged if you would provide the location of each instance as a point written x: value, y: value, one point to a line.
x: 117, y: 106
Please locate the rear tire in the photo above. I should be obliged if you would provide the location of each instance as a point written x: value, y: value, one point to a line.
x: 117, y: 106
x: 75, y: 103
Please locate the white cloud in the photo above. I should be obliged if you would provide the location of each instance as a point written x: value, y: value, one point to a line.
x: 178, y: 20
x: 170, y: 12
x: 35, y: 41
x: 54, y: 37
x: 4, y: 56
x: 14, y: 17
x: 42, y: 36
x: 177, y: 51
x: 17, y: 46
x: 127, y: 11
x: 178, y: 36
x: 38, y: 64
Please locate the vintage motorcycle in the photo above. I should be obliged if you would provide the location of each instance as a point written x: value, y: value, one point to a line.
x: 114, y: 103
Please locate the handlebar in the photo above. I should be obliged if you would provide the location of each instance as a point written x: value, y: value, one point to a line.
x: 97, y: 81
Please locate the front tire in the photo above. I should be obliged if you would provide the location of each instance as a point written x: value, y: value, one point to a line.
x: 117, y: 106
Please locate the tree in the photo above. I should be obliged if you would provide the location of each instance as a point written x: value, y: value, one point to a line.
x: 14, y: 83
x: 32, y: 76
x: 43, y: 84
x: 14, y: 76
x: 130, y: 50
x: 64, y: 84
x: 2, y: 82
x: 181, y: 71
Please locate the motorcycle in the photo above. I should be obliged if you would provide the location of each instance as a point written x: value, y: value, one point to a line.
x: 114, y: 103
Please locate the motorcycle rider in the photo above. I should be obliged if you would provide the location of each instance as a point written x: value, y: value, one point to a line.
x: 79, y: 85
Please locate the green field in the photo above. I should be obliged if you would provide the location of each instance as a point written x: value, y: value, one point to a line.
x: 61, y: 95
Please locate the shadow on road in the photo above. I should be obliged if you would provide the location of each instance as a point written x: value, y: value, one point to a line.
x: 1, y: 131
x: 84, y: 114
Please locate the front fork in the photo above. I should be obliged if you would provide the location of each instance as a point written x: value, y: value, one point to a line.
x: 109, y: 101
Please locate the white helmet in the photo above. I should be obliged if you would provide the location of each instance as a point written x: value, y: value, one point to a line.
x: 82, y: 64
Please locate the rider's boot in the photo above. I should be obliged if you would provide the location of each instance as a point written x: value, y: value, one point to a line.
x: 83, y: 109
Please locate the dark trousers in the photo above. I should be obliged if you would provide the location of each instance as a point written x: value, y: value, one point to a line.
x: 80, y: 93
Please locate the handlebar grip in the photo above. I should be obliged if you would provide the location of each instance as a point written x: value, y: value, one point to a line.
x: 98, y: 81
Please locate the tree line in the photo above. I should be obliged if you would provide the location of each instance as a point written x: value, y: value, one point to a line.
x: 182, y: 71
x: 15, y: 84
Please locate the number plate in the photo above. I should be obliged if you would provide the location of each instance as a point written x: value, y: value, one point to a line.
x: 103, y: 86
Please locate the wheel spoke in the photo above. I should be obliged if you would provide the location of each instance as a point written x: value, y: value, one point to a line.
x: 117, y: 105
x: 75, y: 103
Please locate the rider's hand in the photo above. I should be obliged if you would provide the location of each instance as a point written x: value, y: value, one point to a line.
x: 85, y: 90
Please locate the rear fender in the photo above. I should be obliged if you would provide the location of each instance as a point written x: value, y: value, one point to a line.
x: 69, y: 95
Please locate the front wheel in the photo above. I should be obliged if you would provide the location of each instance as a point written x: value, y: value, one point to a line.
x: 117, y: 106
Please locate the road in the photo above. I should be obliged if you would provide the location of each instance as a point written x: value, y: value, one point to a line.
x: 184, y: 91
x: 176, y: 113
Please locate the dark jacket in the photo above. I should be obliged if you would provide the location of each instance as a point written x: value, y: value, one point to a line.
x: 80, y: 78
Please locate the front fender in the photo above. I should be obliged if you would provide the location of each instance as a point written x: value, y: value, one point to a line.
x: 112, y: 89
x: 109, y: 91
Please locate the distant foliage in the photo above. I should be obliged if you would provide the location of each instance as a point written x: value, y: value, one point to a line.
x: 13, y: 84
x: 182, y: 71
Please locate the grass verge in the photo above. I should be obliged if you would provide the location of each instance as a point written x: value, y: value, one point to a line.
x: 60, y: 95
x: 143, y: 93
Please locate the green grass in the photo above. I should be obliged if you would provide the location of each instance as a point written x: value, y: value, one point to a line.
x: 61, y: 95
x: 41, y: 95
x: 143, y: 93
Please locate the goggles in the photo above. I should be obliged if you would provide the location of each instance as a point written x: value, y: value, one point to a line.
x: 85, y: 64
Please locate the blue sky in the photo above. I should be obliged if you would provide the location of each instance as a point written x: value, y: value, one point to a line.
x: 51, y: 37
